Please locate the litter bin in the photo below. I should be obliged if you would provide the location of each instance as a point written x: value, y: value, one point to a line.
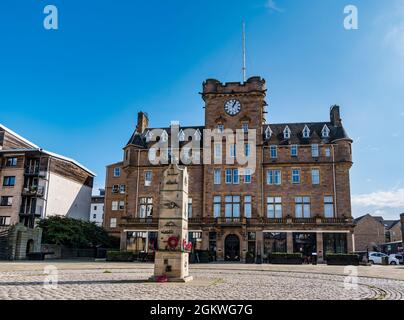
x: 314, y: 258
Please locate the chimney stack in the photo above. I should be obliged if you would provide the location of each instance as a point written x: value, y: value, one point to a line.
x: 335, y: 117
x: 142, y: 122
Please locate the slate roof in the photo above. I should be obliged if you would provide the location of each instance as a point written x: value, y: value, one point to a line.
x: 296, y: 136
x: 387, y: 223
x: 336, y: 133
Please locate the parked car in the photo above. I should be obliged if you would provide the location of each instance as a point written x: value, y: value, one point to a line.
x: 378, y: 257
x: 395, y: 259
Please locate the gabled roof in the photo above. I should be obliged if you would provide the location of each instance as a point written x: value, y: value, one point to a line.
x: 388, y: 224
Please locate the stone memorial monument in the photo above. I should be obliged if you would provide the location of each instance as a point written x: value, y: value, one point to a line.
x: 171, y: 259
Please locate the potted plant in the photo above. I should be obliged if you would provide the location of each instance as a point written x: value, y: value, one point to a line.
x: 249, y: 257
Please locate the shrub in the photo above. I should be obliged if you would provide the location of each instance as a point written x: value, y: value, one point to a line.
x: 285, y: 258
x: 75, y: 233
x: 120, y: 256
x: 337, y: 259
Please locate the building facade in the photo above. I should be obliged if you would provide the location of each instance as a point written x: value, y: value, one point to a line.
x: 36, y: 183
x: 97, y: 208
x: 297, y: 198
x: 371, y: 232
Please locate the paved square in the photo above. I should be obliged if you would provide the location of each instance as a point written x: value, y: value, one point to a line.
x: 101, y: 280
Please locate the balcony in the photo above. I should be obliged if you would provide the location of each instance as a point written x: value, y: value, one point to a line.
x: 34, y: 171
x: 34, y: 191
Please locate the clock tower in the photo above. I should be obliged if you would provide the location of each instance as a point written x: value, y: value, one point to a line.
x: 234, y: 105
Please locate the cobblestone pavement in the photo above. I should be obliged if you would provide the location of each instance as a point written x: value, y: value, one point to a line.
x: 211, y: 282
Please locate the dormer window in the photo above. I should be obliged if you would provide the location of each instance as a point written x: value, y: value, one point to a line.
x: 268, y: 133
x: 197, y: 135
x: 306, y: 132
x: 325, y: 133
x: 149, y: 136
x: 286, y: 133
x: 164, y: 136
x: 181, y: 135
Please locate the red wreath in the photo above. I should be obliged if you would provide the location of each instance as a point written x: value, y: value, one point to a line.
x: 173, y: 242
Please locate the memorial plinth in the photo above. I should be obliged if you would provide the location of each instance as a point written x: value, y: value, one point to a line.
x: 171, y: 259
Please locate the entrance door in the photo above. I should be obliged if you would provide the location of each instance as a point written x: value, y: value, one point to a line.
x: 232, y: 248
x: 306, y: 244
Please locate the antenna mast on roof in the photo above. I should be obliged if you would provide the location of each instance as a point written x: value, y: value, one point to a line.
x: 244, y: 69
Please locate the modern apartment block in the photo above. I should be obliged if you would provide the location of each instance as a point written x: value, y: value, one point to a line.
x: 36, y: 183
x: 296, y: 200
x: 97, y: 208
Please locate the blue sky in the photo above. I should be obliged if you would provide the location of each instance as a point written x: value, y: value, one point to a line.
x: 77, y: 90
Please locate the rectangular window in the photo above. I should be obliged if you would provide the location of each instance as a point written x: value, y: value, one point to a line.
x: 148, y: 178
x: 117, y: 172
x: 6, y: 201
x: 121, y: 205
x: 233, y: 150
x: 115, y: 188
x: 217, y: 200
x: 274, y: 207
x: 247, y: 149
x: 247, y: 176
x: 189, y: 207
x: 218, y: 151
x: 274, y: 242
x: 5, y: 221
x: 232, y: 206
x: 112, y: 223
x: 236, y: 177
x: 274, y: 177
x: 220, y: 127
x: 335, y: 243
x: 302, y: 207
x: 122, y: 188
x: 11, y: 162
x: 314, y: 150
x: 9, y: 181
x: 94, y: 216
x: 327, y: 152
x: 217, y: 176
x: 296, y: 176
x: 315, y: 176
x: 328, y: 207
x: 229, y: 176
x: 294, y: 150
x: 115, y: 205
x: 245, y: 127
x: 247, y: 206
x: 145, y: 207
x: 273, y: 151
x: 95, y: 208
x: 152, y: 154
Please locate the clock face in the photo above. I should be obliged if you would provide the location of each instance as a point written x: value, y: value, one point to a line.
x: 232, y: 107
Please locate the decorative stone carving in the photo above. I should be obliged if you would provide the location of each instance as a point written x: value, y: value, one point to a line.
x: 171, y: 260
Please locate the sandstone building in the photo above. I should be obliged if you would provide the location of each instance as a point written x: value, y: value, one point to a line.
x: 297, y: 199
x: 373, y: 231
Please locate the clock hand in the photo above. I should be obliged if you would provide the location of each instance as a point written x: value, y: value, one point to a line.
x: 233, y: 104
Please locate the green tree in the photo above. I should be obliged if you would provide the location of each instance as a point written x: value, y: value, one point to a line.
x: 75, y: 233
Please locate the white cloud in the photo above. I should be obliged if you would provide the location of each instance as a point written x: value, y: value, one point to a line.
x: 381, y: 199
x: 395, y: 38
x: 388, y: 204
x: 272, y: 6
